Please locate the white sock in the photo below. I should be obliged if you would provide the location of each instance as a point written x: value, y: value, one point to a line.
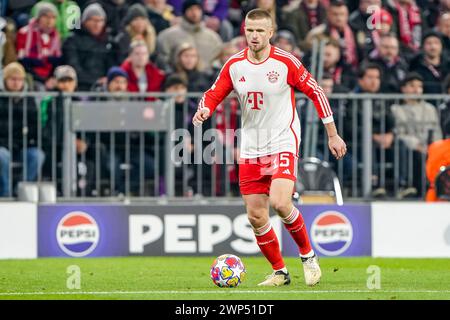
x: 308, y: 255
x: 282, y: 269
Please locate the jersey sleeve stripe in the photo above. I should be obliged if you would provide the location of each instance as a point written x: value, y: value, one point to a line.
x: 290, y: 56
x: 321, y: 95
x: 296, y: 63
x: 323, y: 101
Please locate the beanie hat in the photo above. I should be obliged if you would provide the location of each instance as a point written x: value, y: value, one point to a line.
x: 12, y: 69
x: 114, y: 72
x: 285, y: 34
x: 93, y: 10
x: 43, y: 8
x: 65, y: 72
x: 411, y: 77
x: 189, y: 3
x: 135, y: 11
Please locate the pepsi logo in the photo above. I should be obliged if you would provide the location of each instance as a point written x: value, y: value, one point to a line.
x: 331, y: 233
x: 77, y: 234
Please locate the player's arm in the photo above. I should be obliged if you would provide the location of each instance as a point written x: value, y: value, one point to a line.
x: 305, y: 83
x: 214, y: 96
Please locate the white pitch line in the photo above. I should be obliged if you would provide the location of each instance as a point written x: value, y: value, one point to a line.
x: 214, y: 292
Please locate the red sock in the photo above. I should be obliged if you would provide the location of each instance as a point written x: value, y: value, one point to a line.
x: 295, y: 224
x: 270, y: 247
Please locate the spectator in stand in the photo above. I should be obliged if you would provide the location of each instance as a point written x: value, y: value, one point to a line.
x: 188, y: 67
x: 136, y: 27
x: 443, y: 27
x: 368, y: 23
x: 117, y: 84
x: 337, y: 28
x: 143, y: 75
x: 334, y: 65
x: 52, y: 117
x: 417, y: 124
x: 228, y: 49
x: 117, y: 81
x: 191, y: 29
x: 160, y: 14
x: 369, y: 81
x: 431, y: 64
x: 285, y: 40
x: 24, y: 131
x: 89, y: 50
x: 9, y: 47
x: 308, y: 15
x: 115, y: 10
x: 18, y: 10
x: 39, y: 45
x: 409, y: 25
x: 433, y: 9
x: 184, y: 109
x: 392, y: 65
x: 216, y: 14
x: 68, y: 15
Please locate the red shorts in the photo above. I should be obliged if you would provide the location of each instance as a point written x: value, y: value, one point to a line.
x: 256, y: 175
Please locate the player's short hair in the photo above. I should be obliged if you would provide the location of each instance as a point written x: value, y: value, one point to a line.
x: 368, y: 66
x: 257, y: 14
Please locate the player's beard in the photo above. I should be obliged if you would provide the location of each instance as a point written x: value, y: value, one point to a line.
x: 258, y: 48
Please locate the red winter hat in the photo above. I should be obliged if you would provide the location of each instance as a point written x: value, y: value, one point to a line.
x: 382, y: 16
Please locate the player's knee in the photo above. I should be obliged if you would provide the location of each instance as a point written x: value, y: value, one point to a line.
x: 280, y: 206
x: 256, y: 219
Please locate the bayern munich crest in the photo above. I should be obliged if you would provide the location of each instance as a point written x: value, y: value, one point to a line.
x: 77, y: 234
x: 273, y: 76
x: 331, y: 233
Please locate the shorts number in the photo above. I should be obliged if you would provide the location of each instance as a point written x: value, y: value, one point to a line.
x: 284, y: 159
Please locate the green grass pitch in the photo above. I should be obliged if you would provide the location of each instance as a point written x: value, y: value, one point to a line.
x: 183, y: 278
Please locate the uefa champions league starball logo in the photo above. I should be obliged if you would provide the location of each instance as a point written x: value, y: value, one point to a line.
x: 331, y: 233
x: 77, y: 234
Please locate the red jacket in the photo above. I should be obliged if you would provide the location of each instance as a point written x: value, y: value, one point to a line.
x: 34, y: 49
x: 155, y: 77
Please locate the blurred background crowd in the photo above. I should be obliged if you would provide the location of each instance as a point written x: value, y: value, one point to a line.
x: 371, y: 46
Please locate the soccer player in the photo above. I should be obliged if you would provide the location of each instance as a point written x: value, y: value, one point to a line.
x: 264, y: 78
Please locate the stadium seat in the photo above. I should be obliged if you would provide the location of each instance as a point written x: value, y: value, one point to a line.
x: 317, y: 182
x: 442, y: 184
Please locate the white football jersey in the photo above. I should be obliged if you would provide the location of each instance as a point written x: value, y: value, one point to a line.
x: 269, y: 122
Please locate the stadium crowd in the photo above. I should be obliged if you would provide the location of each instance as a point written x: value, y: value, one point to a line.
x: 371, y: 46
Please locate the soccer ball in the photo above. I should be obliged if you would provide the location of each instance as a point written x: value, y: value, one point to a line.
x: 227, y: 271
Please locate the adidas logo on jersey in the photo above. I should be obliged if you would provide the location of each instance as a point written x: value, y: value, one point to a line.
x: 287, y: 171
x: 242, y: 79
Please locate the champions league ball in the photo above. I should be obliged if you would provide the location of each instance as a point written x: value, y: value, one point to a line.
x: 227, y: 271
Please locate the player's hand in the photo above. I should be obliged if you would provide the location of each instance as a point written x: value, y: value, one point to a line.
x: 200, y: 116
x: 337, y: 146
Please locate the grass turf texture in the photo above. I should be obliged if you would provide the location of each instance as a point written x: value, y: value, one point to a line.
x: 186, y: 278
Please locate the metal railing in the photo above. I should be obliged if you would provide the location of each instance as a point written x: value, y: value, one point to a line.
x: 98, y: 145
